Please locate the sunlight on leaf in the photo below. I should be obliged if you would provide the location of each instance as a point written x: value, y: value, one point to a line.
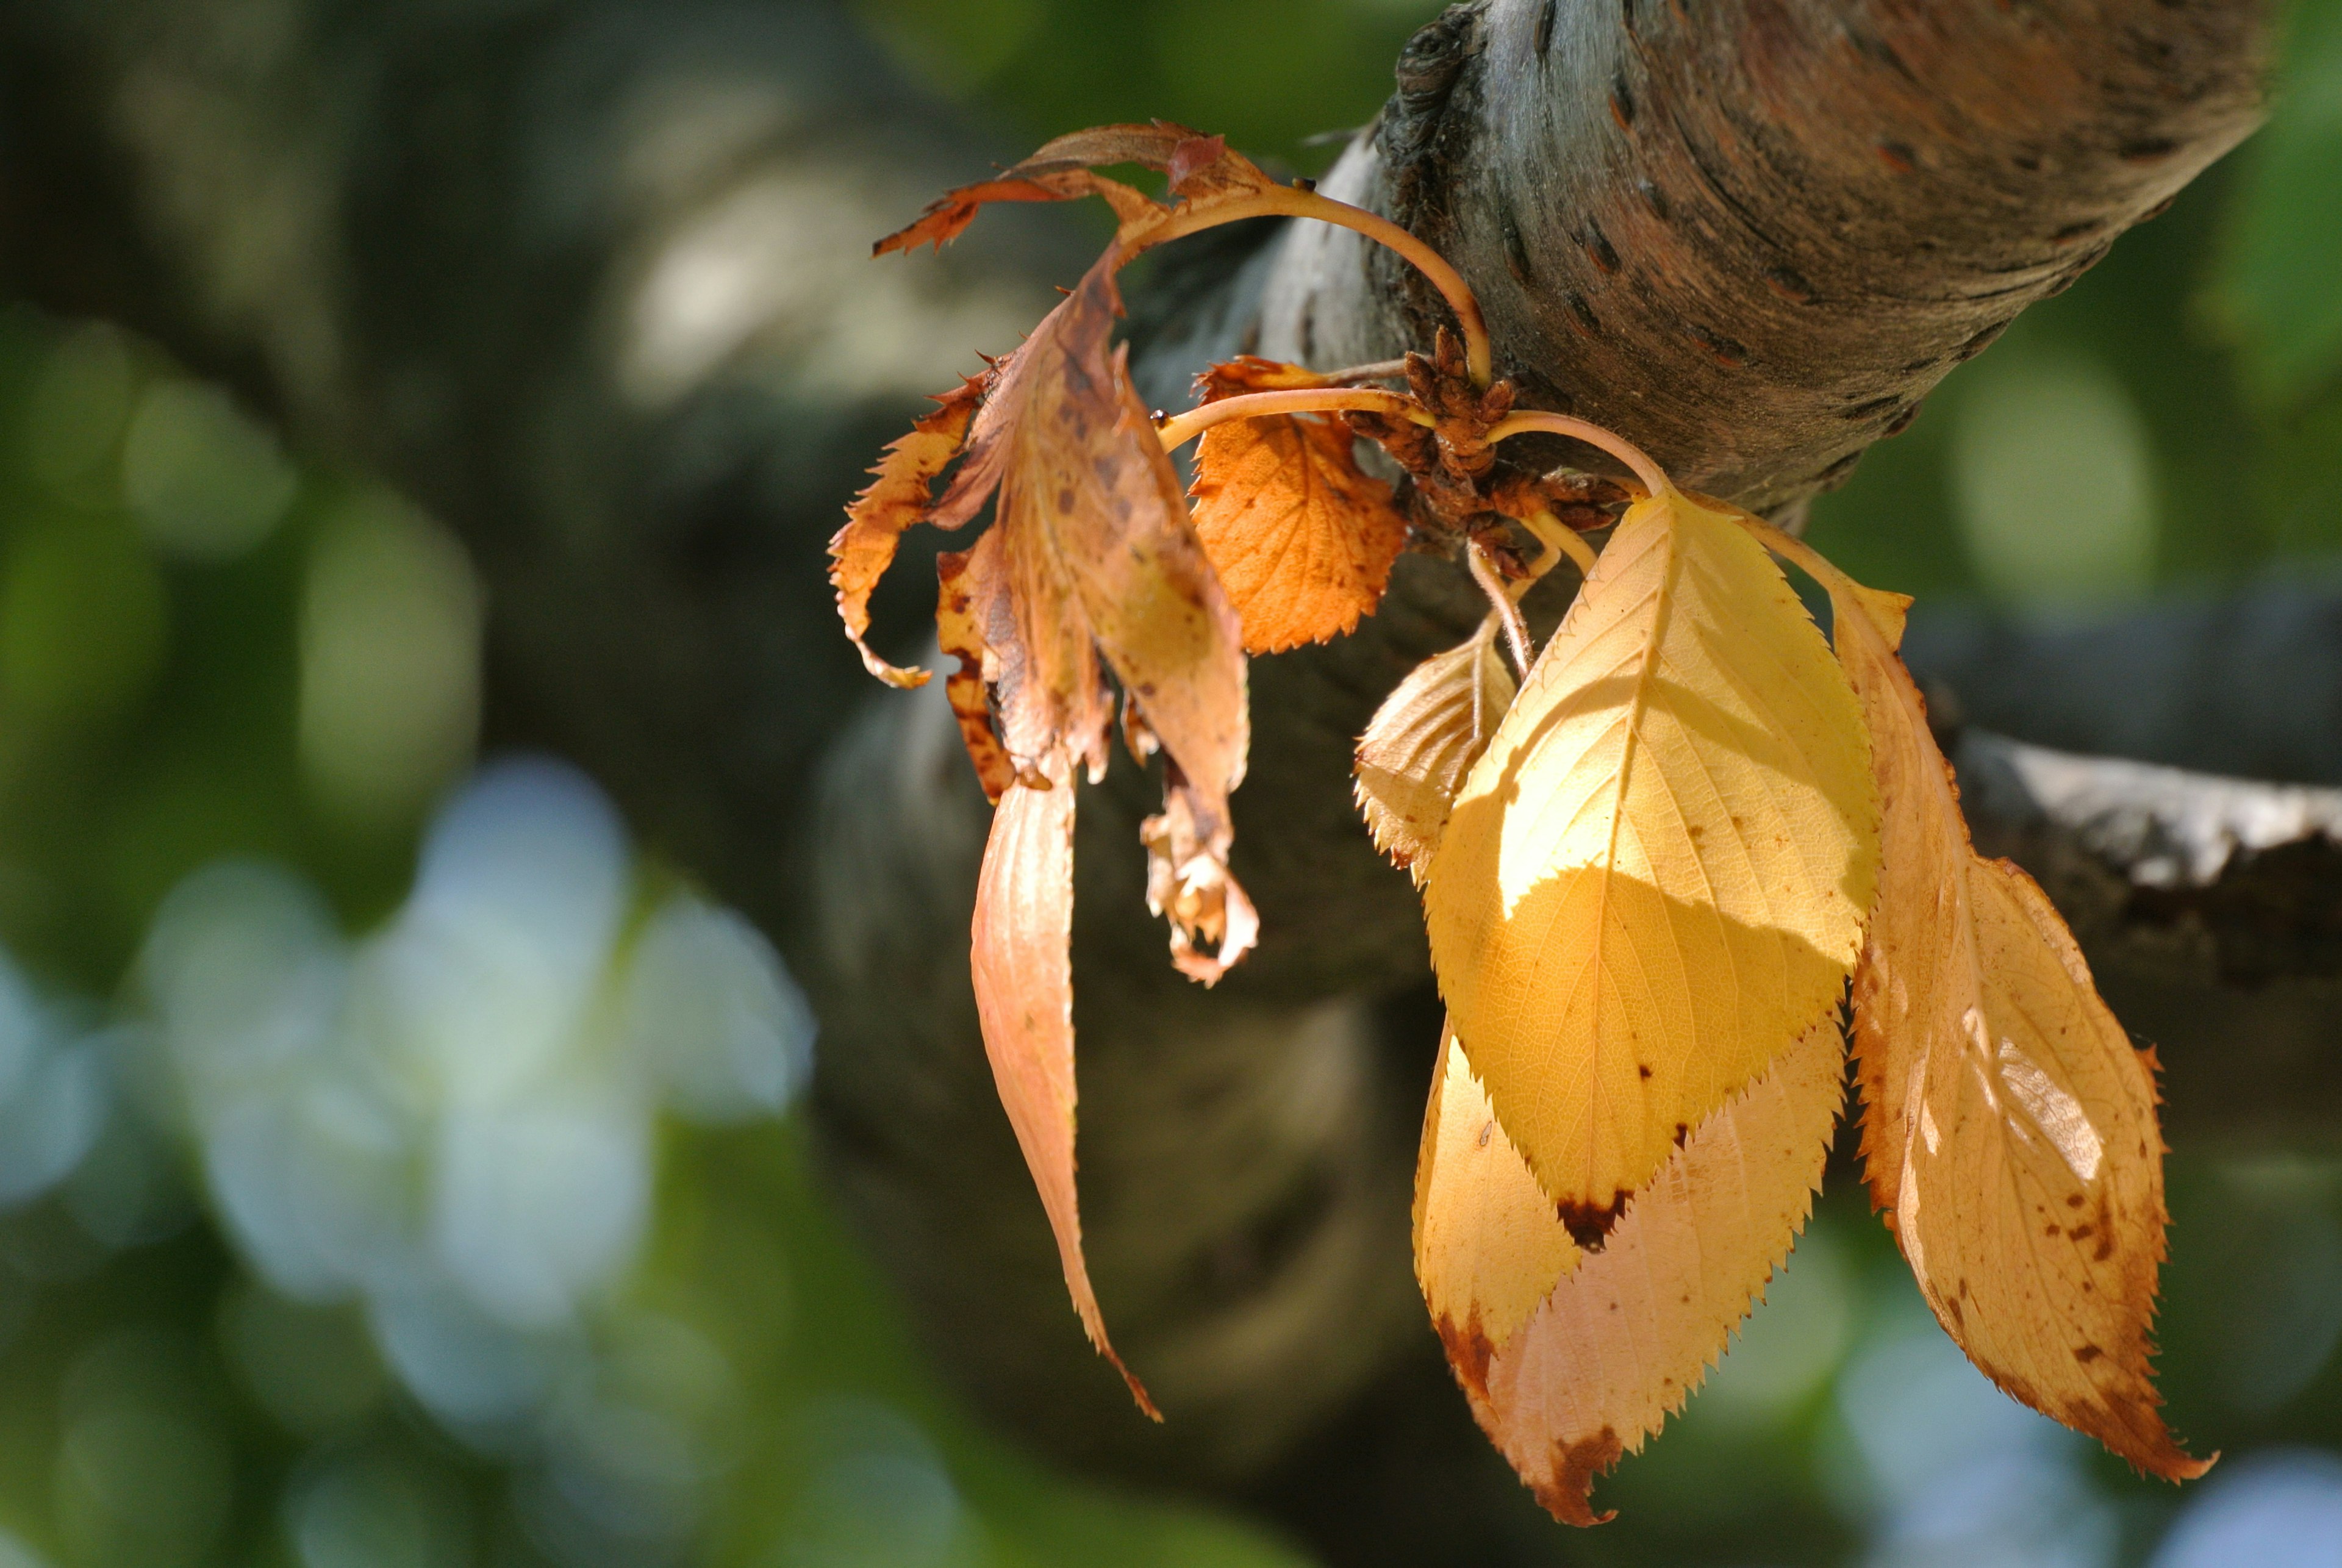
x: 1654, y: 881
x: 1422, y: 742
x: 2009, y: 1129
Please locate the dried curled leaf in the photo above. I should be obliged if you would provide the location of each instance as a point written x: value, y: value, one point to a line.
x: 1302, y: 537
x: 897, y: 498
x: 1201, y: 168
x: 1096, y: 555
x: 1422, y: 742
x: 1187, y: 882
x: 1021, y: 962
x: 1624, y: 1335
x: 2009, y: 1130
x: 1655, y: 879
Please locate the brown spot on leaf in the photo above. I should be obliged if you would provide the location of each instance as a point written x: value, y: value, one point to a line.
x: 1470, y: 1352
x: 1589, y: 1225
x: 1567, y: 1491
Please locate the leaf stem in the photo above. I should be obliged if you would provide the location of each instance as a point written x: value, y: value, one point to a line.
x: 1182, y: 428
x: 1291, y: 201
x: 1559, y: 539
x: 1500, y: 599
x: 1654, y: 477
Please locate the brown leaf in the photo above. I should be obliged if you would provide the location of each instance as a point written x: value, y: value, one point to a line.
x: 1188, y: 881
x: 1302, y: 537
x: 1096, y: 555
x: 1200, y: 167
x: 968, y: 595
x: 897, y: 497
x: 2009, y: 1128
x: 1021, y: 963
x: 1422, y: 742
x: 1624, y: 1335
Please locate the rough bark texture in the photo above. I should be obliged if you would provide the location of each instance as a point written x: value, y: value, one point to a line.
x: 588, y: 278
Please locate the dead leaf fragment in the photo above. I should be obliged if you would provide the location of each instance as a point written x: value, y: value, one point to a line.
x: 1422, y: 742
x: 1625, y: 1335
x: 897, y: 497
x: 1655, y: 879
x: 2009, y: 1129
x: 1302, y: 537
x: 1020, y: 959
x: 1187, y: 882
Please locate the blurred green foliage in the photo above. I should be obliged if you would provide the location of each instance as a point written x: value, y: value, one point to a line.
x: 209, y: 649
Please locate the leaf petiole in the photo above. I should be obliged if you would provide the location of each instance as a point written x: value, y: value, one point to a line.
x: 1559, y: 539
x: 1182, y: 428
x: 1654, y: 477
x: 1292, y: 201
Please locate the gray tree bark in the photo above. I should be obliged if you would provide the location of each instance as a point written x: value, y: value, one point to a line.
x: 587, y: 277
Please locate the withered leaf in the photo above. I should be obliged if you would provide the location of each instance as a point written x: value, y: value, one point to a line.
x: 1021, y: 962
x: 896, y: 497
x: 1302, y: 537
x: 1619, y: 1337
x: 1654, y: 878
x: 2009, y: 1129
x: 1201, y: 169
x: 968, y: 595
x: 1091, y: 552
x: 1422, y: 742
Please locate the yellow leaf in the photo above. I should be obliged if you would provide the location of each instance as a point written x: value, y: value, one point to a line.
x: 1487, y: 1247
x: 1021, y: 962
x: 1619, y: 1342
x: 1302, y: 537
x: 2009, y: 1128
x: 1423, y: 740
x: 1655, y: 879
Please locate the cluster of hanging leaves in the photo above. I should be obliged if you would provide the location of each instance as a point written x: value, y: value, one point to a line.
x: 1654, y: 855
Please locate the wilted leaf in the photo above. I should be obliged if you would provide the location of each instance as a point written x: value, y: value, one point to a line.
x: 1655, y: 879
x: 968, y: 595
x: 896, y: 497
x: 1201, y: 168
x: 2009, y: 1129
x: 1302, y: 537
x: 1095, y: 555
x: 1187, y: 882
x: 1021, y: 963
x: 1423, y: 740
x: 1627, y: 1333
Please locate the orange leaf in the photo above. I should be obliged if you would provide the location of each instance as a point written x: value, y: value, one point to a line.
x: 2009, y: 1128
x: 1624, y: 1335
x: 896, y: 497
x: 1021, y: 963
x: 1423, y: 740
x: 1302, y: 537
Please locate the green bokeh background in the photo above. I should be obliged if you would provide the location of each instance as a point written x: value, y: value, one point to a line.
x: 188, y: 616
